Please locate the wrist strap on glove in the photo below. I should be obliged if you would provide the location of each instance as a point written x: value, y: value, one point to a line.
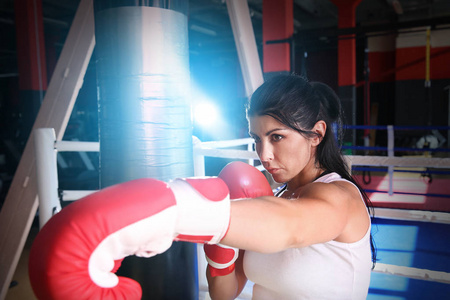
x: 221, y: 259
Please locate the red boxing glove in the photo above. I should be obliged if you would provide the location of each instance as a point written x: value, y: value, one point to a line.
x: 77, y: 251
x: 243, y: 181
x: 220, y: 259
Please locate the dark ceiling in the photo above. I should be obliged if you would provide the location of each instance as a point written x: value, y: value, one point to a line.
x: 210, y: 35
x: 315, y: 22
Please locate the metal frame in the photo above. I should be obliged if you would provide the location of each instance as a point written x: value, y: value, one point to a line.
x: 20, y: 206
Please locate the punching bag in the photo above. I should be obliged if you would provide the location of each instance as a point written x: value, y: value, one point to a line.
x: 144, y: 119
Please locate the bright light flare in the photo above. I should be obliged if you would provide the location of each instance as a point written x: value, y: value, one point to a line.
x: 205, y: 114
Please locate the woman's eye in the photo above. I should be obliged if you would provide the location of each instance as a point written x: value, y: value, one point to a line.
x: 276, y: 137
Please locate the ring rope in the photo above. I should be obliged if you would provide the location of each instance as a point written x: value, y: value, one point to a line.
x: 386, y: 127
x: 428, y: 171
x: 394, y: 161
x: 409, y: 193
x: 375, y: 148
x: 413, y: 273
x: 412, y: 215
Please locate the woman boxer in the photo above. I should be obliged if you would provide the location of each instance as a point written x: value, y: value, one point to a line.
x: 313, y: 240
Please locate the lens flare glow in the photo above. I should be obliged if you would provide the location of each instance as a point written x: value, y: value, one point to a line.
x: 205, y: 114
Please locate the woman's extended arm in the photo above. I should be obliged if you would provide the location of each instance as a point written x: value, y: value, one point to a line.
x: 322, y: 212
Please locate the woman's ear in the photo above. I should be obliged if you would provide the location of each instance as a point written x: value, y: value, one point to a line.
x: 320, y: 128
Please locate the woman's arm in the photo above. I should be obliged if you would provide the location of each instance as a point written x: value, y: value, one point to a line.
x: 228, y: 286
x: 244, y: 181
x: 322, y: 212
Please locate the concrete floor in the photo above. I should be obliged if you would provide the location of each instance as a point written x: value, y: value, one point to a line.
x: 20, y: 288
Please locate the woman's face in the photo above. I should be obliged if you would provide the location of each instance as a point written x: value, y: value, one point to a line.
x: 284, y: 152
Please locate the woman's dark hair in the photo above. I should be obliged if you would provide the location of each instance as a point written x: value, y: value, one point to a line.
x: 300, y: 104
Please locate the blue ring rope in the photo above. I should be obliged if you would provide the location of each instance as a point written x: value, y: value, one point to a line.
x: 385, y: 127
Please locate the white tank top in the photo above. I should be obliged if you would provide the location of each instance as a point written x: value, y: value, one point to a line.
x: 332, y: 270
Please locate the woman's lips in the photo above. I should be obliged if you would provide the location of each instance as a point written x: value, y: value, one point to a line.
x: 272, y: 170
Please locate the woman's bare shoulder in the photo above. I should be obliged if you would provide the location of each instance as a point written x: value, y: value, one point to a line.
x: 334, y: 190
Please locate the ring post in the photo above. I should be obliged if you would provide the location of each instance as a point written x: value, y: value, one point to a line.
x: 47, y: 174
x: 250, y: 149
x: 199, y: 159
x: 390, y: 131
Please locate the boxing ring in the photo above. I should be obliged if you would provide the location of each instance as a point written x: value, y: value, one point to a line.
x: 413, y: 245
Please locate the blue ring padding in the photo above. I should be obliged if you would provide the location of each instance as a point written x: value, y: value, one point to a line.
x: 415, y: 244
x: 406, y: 193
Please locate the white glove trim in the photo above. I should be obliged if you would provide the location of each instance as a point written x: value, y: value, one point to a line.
x: 226, y: 265
x: 198, y: 215
x: 145, y: 238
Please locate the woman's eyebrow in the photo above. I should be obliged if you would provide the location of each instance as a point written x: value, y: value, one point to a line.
x: 267, y: 133
x: 273, y: 130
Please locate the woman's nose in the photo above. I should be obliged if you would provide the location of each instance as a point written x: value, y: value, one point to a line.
x: 264, y: 151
